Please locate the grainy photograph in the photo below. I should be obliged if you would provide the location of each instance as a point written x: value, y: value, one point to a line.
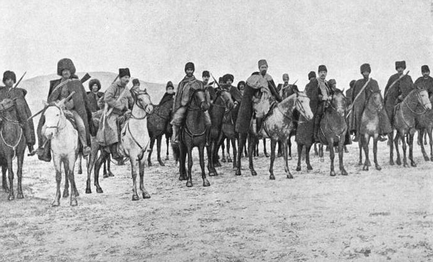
x: 281, y: 130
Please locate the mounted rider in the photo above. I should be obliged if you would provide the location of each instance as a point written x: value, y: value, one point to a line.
x: 186, y: 87
x: 234, y: 91
x: 77, y: 108
x: 312, y: 91
x: 425, y: 81
x: 323, y: 95
x: 208, y: 86
x: 362, y: 90
x: 119, y: 102
x: 22, y: 108
x: 349, y: 92
x: 93, y: 96
x: 398, y: 87
x: 285, y: 89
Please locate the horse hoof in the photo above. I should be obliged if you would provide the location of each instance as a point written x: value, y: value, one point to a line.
x: 20, y: 196
x: 99, y: 190
x: 253, y: 173
x: 413, y: 164
x: 149, y: 163
x: 238, y: 172
x: 266, y: 155
x: 360, y: 163
x: 332, y: 173
x: 223, y: 160
x: 272, y: 177
x: 181, y: 178
x: 88, y: 191
x: 426, y: 158
x: 161, y: 163
x: 365, y: 168
x: 74, y: 203
x: 217, y: 164
x: 146, y: 195
x: 105, y: 175
x: 167, y: 158
x: 378, y: 167
x: 11, y: 197
x: 398, y: 162
x: 65, y: 194
x: 343, y: 172
x: 206, y: 183
x: 135, y: 197
x: 55, y: 203
x: 189, y: 184
x: 229, y: 160
x: 110, y: 174
x: 309, y: 168
x: 391, y: 163
x: 298, y: 168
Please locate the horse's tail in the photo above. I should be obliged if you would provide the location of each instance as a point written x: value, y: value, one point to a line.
x: 176, y: 151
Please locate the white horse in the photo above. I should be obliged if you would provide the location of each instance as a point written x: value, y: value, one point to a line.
x: 135, y: 139
x: 64, y: 147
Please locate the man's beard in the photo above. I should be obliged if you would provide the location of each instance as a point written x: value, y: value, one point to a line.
x: 263, y: 73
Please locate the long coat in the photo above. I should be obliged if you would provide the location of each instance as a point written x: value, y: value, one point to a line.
x: 305, y: 130
x: 425, y: 83
x: 402, y: 87
x: 93, y: 99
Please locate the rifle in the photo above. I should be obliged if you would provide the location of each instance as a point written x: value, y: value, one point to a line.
x: 218, y: 84
x: 360, y: 92
x: 62, y: 102
x: 393, y: 83
x: 85, y: 78
x: 20, y: 80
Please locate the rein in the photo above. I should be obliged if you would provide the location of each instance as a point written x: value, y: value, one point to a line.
x: 15, y: 122
x: 419, y: 100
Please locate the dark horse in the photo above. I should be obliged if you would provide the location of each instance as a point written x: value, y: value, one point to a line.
x: 228, y: 132
x: 158, y: 124
x: 414, y: 105
x: 222, y: 103
x: 333, y: 129
x: 193, y: 134
x: 424, y: 124
x: 369, y: 127
x: 12, y: 143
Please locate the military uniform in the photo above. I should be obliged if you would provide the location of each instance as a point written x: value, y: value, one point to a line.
x: 425, y: 81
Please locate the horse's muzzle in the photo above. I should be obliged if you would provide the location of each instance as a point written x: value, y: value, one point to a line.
x: 149, y: 109
x: 428, y: 106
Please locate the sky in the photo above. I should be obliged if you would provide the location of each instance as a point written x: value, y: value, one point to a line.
x: 156, y: 38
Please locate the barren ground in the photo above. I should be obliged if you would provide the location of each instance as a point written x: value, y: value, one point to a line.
x: 366, y: 216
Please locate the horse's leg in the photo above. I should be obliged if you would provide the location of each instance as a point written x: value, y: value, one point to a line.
x: 168, y: 147
x: 80, y: 168
x: 251, y: 145
x: 69, y: 170
x: 365, y: 143
x: 152, y: 143
x: 105, y: 174
x: 341, y: 154
x: 421, y: 144
x: 242, y: 139
x: 235, y: 150
x: 211, y: 161
x: 331, y: 155
x: 264, y: 148
x: 141, y: 173
x: 429, y: 133
x: 316, y: 152
x: 182, y: 158
x: 98, y: 164
x: 397, y: 152
x: 223, y: 148
x: 289, y: 146
x: 300, y: 146
x: 66, y: 189
x: 307, y: 156
x: 410, y: 142
x: 203, y: 173
x: 189, y: 178
x: 391, y: 148
x: 134, y: 167
x: 286, y: 161
x: 20, y: 160
x: 4, y: 179
x: 229, y: 158
x: 271, y: 167
x: 321, y: 152
x: 90, y: 166
x: 11, y: 178
x: 375, y: 139
x: 360, y: 146
x: 404, y: 145
x: 57, y: 165
x: 108, y: 162
x: 158, y: 148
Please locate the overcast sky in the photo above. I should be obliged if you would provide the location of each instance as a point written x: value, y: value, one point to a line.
x: 156, y: 38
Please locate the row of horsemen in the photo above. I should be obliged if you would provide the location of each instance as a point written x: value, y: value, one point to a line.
x: 318, y: 90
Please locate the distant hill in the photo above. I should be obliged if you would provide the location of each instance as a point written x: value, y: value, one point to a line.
x: 37, y: 87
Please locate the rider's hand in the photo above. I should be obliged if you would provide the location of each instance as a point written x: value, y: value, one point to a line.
x: 128, y: 113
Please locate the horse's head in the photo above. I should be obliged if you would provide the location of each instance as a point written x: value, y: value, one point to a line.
x: 142, y: 100
x: 199, y: 99
x: 262, y: 103
x: 375, y: 101
x: 54, y: 120
x: 226, y: 97
x: 302, y: 104
x: 338, y: 102
x: 423, y: 98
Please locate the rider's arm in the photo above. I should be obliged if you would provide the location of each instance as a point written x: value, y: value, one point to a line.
x: 110, y: 99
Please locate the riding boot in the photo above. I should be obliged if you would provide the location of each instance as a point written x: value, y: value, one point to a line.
x: 44, y: 153
x: 115, y: 152
x: 175, y: 135
x: 259, y: 128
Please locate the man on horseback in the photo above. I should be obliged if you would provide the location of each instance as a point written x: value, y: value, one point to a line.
x: 77, y: 108
x: 94, y: 95
x: 234, y: 91
x: 362, y: 90
x: 182, y: 98
x: 22, y: 108
x: 323, y: 96
x: 349, y: 92
x: 285, y: 89
x: 425, y: 81
x: 119, y: 101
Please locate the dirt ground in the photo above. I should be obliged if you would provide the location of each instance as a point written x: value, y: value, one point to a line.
x: 366, y: 216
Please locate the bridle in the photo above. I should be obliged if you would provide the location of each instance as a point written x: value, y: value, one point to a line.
x: 139, y: 105
x: 193, y: 96
x: 332, y: 104
x: 420, y: 102
x: 57, y: 125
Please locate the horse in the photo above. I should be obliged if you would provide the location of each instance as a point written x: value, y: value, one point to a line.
x: 414, y: 105
x: 333, y: 129
x: 369, y: 127
x: 279, y: 124
x: 159, y: 125
x: 135, y: 140
x: 64, y: 148
x: 193, y: 134
x: 228, y: 133
x: 107, y: 165
x: 424, y: 124
x: 12, y: 144
x: 223, y: 103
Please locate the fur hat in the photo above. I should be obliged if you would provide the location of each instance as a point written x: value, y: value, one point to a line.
x: 65, y: 64
x: 322, y: 68
x: 135, y: 81
x: 9, y: 75
x: 365, y: 67
x: 190, y: 65
x: 205, y: 74
x: 94, y: 81
x: 241, y: 83
x: 332, y: 82
x: 169, y: 84
x: 124, y: 72
x: 227, y: 77
x: 286, y: 75
x: 262, y: 62
x: 425, y: 69
x: 399, y: 64
x: 312, y: 74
